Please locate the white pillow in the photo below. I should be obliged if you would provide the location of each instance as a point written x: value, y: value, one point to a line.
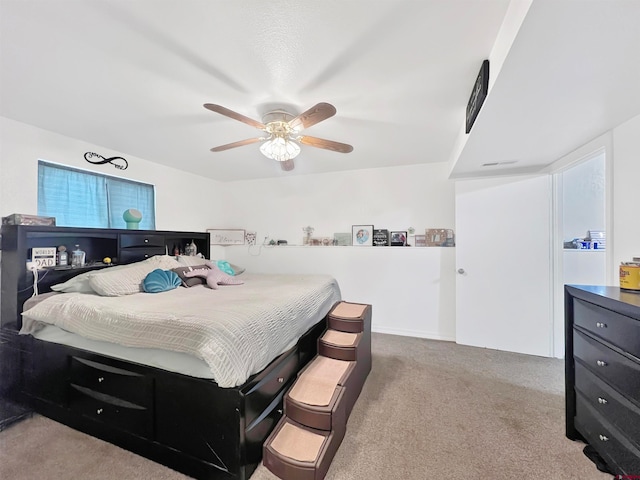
x: 127, y: 279
x: 79, y: 283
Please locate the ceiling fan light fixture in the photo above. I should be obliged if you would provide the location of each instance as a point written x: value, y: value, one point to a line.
x: 280, y: 148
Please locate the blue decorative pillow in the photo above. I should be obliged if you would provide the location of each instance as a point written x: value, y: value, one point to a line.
x: 160, y: 281
x: 225, y: 267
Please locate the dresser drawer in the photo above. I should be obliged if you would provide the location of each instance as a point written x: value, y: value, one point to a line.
x: 618, y: 410
x: 619, y: 330
x: 141, y: 240
x: 618, y: 452
x: 136, y: 254
x: 115, y: 382
x: 261, y: 395
x: 615, y: 369
x: 112, y: 411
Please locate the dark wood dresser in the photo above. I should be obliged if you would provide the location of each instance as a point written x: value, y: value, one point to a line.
x: 602, y: 366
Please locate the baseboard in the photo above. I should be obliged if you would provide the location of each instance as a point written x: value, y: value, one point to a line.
x: 413, y: 333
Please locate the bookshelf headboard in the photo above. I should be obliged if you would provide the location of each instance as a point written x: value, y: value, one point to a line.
x: 122, y: 246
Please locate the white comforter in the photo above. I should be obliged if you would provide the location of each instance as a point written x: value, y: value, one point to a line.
x: 237, y: 330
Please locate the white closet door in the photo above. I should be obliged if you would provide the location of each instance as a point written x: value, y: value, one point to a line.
x: 503, y: 258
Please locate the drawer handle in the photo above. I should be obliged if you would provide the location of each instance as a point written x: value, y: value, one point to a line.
x: 99, y: 411
x: 604, y: 438
x: 602, y: 401
x: 280, y: 411
x: 146, y: 255
x: 146, y: 240
x: 601, y: 363
x: 100, y: 379
x: 280, y: 379
x: 601, y: 325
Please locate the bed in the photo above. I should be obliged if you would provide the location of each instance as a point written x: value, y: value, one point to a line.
x: 190, y: 377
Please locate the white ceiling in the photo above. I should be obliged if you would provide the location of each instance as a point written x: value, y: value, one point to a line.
x: 132, y: 76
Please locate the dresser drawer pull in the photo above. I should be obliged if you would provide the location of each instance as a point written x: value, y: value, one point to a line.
x: 601, y: 363
x: 146, y: 255
x: 280, y: 379
x: 99, y: 411
x: 100, y: 379
x: 602, y: 401
x: 280, y: 411
x: 146, y: 240
x: 601, y: 325
x: 604, y: 438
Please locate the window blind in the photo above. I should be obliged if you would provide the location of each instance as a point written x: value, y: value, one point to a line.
x: 79, y: 198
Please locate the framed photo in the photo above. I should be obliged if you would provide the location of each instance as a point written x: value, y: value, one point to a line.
x: 342, y: 239
x: 440, y: 237
x: 362, y: 235
x: 399, y: 239
x: 380, y: 237
x: 226, y: 237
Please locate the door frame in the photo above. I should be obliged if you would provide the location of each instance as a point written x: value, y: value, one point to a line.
x: 598, y: 146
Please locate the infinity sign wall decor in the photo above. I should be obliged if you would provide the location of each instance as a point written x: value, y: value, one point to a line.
x: 115, y: 161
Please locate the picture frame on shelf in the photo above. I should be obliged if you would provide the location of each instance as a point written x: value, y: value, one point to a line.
x: 362, y: 235
x: 342, y: 239
x: 380, y: 237
x: 398, y: 239
x: 440, y: 237
x: 219, y: 236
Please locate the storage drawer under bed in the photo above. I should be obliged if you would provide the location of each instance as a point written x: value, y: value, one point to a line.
x: 118, y: 397
x: 116, y: 382
x: 113, y: 411
x: 262, y: 394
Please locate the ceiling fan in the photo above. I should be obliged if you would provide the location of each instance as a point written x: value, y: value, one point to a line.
x: 283, y: 132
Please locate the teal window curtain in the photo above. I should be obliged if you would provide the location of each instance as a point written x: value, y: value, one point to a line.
x: 79, y: 198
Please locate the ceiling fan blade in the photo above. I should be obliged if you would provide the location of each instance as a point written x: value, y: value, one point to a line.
x: 235, y: 115
x: 326, y: 144
x: 241, y: 143
x: 314, y: 115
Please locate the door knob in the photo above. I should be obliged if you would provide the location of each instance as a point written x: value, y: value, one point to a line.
x: 461, y: 271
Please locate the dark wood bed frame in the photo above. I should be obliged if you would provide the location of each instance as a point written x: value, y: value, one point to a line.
x: 188, y: 424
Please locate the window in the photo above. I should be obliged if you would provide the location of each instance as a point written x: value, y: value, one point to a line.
x: 79, y: 198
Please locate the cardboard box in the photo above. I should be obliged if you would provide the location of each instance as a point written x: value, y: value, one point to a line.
x: 22, y: 219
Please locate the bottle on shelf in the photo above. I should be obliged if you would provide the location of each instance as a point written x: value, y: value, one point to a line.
x: 78, y: 257
x: 63, y: 256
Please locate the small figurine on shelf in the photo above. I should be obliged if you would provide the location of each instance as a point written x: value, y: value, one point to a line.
x: 308, y: 232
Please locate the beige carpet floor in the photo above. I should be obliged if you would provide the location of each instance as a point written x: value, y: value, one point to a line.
x: 429, y: 410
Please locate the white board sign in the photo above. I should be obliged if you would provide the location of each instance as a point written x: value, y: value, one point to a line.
x: 226, y: 237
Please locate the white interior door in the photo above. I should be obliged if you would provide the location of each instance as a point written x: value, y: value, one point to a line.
x: 503, y: 258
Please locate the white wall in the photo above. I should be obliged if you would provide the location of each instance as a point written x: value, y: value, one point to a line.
x: 394, y: 198
x: 626, y: 193
x: 411, y: 289
x: 183, y: 200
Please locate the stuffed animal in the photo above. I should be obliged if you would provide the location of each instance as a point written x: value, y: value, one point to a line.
x: 214, y: 276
